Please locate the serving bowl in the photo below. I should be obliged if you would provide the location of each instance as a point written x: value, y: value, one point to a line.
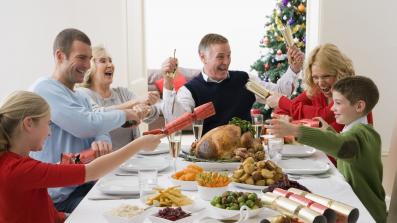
x: 207, y: 193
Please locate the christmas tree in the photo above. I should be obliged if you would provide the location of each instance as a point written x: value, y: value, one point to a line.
x: 273, y: 62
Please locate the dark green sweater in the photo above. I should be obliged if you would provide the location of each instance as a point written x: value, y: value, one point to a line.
x: 358, y: 153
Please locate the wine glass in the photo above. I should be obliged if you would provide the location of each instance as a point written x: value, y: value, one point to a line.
x: 257, y: 123
x: 198, y: 129
x: 174, y: 141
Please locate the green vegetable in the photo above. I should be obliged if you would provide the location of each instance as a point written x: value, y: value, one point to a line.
x: 244, y: 125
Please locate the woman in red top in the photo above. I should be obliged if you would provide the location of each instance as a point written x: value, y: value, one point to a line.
x: 325, y: 65
x: 24, y: 126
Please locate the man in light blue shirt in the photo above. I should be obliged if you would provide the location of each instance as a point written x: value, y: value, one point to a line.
x: 74, y: 125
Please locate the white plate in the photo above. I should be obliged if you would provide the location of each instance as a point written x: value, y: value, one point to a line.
x: 248, y: 186
x: 161, y: 148
x: 303, y: 166
x: 119, y: 186
x: 297, y: 151
x: 214, y: 165
x: 145, y: 163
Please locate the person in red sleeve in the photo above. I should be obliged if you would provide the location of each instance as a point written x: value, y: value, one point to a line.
x: 326, y: 65
x: 24, y: 126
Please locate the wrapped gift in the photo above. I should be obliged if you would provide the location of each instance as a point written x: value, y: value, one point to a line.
x: 329, y: 214
x: 83, y: 157
x: 344, y: 212
x: 200, y: 113
x: 292, y: 208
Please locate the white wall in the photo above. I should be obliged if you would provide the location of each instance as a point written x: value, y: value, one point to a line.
x: 180, y: 24
x: 28, y: 29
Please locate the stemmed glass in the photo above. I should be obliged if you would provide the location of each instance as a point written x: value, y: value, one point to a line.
x: 257, y: 123
x: 174, y: 141
x: 197, y: 129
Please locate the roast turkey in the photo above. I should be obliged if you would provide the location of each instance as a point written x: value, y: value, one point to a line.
x: 220, y: 142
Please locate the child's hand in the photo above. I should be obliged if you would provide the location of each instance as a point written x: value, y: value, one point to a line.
x: 150, y: 142
x: 323, y: 124
x: 281, y: 128
x: 101, y: 148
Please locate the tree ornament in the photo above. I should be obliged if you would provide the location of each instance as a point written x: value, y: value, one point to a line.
x: 266, y: 66
x: 291, y: 21
x: 301, y: 8
x: 285, y: 2
x: 265, y: 41
x: 279, y: 52
x: 285, y: 18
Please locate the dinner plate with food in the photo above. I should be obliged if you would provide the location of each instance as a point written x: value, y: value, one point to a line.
x: 256, y: 175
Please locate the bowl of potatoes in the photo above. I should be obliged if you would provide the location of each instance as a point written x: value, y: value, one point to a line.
x: 256, y: 175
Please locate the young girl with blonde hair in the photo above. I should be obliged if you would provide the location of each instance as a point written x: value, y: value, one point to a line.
x: 24, y: 126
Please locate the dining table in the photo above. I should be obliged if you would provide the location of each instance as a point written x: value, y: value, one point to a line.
x: 96, y: 203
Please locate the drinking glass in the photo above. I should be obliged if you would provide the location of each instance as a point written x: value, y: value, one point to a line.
x: 174, y: 141
x: 198, y: 129
x: 257, y: 123
x: 275, y: 145
x: 147, y: 182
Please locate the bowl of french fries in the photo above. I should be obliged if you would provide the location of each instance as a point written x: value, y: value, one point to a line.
x: 210, y: 184
x: 168, y: 197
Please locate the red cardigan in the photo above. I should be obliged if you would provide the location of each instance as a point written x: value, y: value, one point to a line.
x: 23, y: 188
x: 304, y: 107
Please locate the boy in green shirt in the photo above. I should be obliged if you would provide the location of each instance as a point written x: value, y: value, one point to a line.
x: 357, y: 148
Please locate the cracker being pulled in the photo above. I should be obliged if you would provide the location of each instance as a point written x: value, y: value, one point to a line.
x: 257, y: 89
x: 287, y: 34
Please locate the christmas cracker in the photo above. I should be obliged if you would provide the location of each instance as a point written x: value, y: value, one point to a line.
x: 292, y: 208
x: 344, y: 212
x: 287, y: 34
x: 329, y: 214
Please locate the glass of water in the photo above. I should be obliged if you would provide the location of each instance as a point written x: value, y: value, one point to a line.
x: 147, y: 182
x: 274, y: 146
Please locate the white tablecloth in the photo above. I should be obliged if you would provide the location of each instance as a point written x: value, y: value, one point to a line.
x: 334, y: 187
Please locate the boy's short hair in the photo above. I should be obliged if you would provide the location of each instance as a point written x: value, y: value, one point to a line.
x: 357, y: 88
x: 210, y: 39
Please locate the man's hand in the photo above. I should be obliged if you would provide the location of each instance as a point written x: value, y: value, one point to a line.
x: 281, y: 128
x: 149, y: 142
x: 295, y: 59
x: 101, y: 148
x: 153, y: 98
x: 134, y: 115
x: 169, y: 66
x: 142, y: 109
x: 273, y: 99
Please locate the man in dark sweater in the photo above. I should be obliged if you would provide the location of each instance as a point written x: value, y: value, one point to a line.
x: 226, y: 89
